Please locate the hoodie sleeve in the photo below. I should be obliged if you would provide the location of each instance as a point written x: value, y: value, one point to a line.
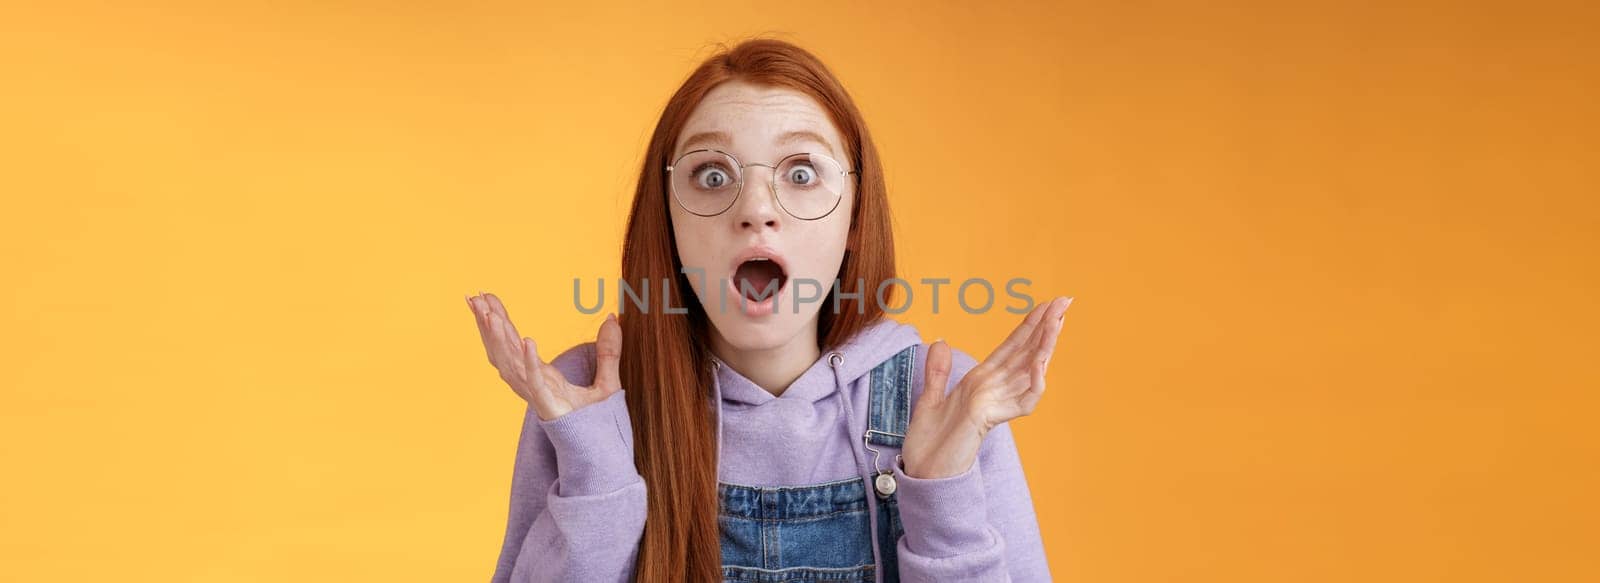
x: 975, y: 526
x: 577, y: 500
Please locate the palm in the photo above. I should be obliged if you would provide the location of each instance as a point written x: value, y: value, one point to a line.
x: 517, y: 360
x: 947, y: 428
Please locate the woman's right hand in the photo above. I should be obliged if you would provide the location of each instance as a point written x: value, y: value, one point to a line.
x: 517, y: 359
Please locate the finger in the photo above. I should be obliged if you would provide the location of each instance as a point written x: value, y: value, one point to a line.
x: 1019, y: 336
x: 537, y: 392
x: 509, y: 346
x: 1015, y: 371
x: 1029, y: 349
x: 497, y: 305
x: 1015, y: 358
x: 1052, y: 331
x: 494, y: 307
x: 936, y: 377
x: 1030, y: 398
x: 608, y: 355
x: 500, y: 309
x: 482, y: 304
x: 500, y: 353
x: 507, y: 332
x: 483, y: 330
x: 1019, y: 387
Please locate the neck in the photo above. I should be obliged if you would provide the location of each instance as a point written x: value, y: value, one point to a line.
x: 773, y: 369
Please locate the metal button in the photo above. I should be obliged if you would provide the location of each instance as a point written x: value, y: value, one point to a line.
x: 884, y: 484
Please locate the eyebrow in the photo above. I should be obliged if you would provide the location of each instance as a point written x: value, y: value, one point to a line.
x: 803, y: 135
x: 723, y: 139
x: 706, y: 138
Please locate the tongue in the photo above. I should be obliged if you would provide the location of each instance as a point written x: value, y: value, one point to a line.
x: 753, y: 277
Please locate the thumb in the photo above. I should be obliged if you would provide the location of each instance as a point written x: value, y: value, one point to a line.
x: 608, y: 355
x: 936, y: 378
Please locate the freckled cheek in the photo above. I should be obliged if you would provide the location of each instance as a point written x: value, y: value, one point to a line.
x: 819, y: 257
x: 697, y: 250
x: 699, y: 262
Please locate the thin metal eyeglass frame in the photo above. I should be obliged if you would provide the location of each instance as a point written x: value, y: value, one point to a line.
x: 741, y: 166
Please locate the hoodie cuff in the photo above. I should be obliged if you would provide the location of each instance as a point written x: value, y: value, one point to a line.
x: 944, y: 517
x: 593, y: 453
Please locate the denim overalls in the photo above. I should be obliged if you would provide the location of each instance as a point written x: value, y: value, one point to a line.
x: 820, y: 532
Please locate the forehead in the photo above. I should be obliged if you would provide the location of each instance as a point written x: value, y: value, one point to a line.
x: 753, y: 120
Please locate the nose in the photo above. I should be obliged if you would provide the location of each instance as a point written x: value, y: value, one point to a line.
x: 758, y: 204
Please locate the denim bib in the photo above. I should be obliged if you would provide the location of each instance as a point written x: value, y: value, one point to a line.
x: 820, y: 532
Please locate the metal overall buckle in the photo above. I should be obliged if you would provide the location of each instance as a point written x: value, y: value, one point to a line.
x: 884, y: 482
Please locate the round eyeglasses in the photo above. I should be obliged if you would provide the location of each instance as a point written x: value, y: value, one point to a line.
x: 807, y: 185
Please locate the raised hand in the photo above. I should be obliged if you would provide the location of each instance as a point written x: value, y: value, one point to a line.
x: 947, y: 429
x: 544, y: 387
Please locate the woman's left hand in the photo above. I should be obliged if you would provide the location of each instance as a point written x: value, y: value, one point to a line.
x: 947, y: 429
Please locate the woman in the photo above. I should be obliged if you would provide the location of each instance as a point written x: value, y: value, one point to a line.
x: 751, y: 435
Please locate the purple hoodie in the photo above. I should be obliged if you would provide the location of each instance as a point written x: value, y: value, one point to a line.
x: 585, y: 526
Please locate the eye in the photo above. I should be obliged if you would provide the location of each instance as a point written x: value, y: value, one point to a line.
x: 801, y: 175
x: 711, y: 177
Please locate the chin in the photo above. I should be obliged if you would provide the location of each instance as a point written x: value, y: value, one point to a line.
x: 766, y: 333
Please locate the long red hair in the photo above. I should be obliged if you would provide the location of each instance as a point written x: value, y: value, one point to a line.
x: 666, y: 360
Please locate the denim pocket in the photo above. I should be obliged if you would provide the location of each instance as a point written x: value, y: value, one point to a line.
x: 805, y: 533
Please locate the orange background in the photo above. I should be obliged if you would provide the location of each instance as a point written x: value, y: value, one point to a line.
x: 1335, y: 266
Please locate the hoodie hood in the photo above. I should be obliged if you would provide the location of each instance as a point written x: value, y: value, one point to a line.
x: 858, y: 355
x: 816, y: 413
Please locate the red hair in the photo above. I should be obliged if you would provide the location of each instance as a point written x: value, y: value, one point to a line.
x: 666, y: 357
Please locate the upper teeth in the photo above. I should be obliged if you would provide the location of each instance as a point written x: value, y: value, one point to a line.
x: 760, y: 259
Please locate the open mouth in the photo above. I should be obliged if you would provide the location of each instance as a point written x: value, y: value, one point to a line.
x: 759, y: 278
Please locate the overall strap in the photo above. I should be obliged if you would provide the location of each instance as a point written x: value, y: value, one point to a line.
x: 887, y: 418
x: 890, y: 411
